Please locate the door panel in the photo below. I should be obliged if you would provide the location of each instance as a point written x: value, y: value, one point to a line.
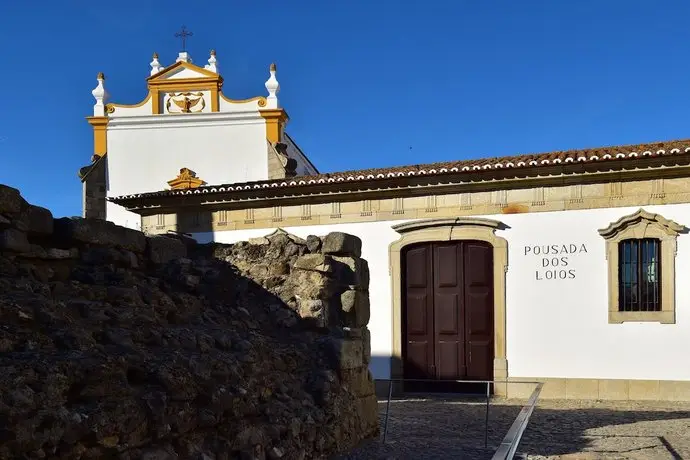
x: 479, y: 310
x: 448, y: 311
x: 419, y: 344
x: 449, y: 320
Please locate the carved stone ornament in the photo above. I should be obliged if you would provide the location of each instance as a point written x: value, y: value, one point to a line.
x: 185, y: 180
x: 185, y: 102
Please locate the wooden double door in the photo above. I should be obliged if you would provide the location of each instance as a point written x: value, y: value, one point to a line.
x: 448, y: 314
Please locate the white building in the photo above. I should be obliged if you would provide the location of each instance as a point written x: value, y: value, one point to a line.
x: 140, y: 146
x: 559, y: 267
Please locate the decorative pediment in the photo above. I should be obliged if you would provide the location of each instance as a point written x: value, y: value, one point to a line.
x: 185, y: 180
x: 642, y: 218
x: 182, y: 71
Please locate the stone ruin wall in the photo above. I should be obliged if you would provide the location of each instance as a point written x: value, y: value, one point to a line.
x: 114, y: 344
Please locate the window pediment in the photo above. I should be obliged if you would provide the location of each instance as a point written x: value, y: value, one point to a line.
x: 628, y: 294
x: 641, y: 224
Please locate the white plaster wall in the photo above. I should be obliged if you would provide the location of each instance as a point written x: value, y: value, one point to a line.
x: 555, y: 328
x: 120, y: 216
x: 182, y: 73
x: 146, y: 152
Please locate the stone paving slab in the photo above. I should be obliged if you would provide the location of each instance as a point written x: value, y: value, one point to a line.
x: 445, y: 428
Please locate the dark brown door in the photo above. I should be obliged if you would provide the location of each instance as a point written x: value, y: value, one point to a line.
x: 448, y: 312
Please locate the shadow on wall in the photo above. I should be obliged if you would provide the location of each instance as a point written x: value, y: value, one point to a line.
x: 191, y: 222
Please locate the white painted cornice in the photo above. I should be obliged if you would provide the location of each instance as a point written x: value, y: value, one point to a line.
x: 184, y: 120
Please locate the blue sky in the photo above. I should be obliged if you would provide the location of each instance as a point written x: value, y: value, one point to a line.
x: 366, y: 83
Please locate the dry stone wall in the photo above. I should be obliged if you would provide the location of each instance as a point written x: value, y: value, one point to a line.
x: 114, y: 344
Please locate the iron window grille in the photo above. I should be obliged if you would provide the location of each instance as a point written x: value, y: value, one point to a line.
x: 639, y: 275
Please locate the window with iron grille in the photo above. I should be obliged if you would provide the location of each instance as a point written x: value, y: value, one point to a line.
x: 639, y: 275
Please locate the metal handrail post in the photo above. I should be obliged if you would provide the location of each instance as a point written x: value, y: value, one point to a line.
x: 388, y: 409
x: 486, y: 418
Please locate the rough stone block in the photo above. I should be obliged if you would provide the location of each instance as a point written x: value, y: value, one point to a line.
x: 161, y: 249
x: 55, y: 253
x: 368, y: 415
x: 350, y: 353
x: 188, y: 242
x: 37, y: 220
x: 340, y: 243
x: 359, y: 381
x: 14, y: 240
x: 309, y: 284
x: 355, y: 304
x: 11, y: 200
x: 314, y: 310
x: 313, y: 243
x: 36, y: 251
x: 259, y: 271
x: 314, y: 262
x: 366, y: 345
x: 259, y: 241
x: 351, y: 271
x: 99, y: 232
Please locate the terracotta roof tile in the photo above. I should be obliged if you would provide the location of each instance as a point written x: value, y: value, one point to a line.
x: 613, y: 153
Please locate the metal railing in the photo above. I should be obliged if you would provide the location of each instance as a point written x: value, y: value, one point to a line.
x: 508, y: 446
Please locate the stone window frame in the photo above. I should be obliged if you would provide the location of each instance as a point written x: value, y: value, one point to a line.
x: 452, y: 229
x: 642, y: 224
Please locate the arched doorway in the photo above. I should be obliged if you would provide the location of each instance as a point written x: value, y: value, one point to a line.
x: 448, y: 278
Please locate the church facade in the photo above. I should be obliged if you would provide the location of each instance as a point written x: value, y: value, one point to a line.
x: 139, y: 146
x: 564, y: 267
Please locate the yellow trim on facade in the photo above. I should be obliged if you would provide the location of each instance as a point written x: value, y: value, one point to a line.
x: 156, y: 105
x: 261, y: 99
x: 215, y: 100
x: 100, y: 139
x: 112, y: 106
x: 185, y: 180
x: 600, y: 389
x: 275, y: 123
x: 184, y: 84
x: 373, y: 207
x: 212, y: 82
x: 160, y: 75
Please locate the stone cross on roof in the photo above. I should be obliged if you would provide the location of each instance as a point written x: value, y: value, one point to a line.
x: 183, y: 34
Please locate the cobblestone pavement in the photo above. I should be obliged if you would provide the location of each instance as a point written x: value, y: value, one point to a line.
x: 558, y: 430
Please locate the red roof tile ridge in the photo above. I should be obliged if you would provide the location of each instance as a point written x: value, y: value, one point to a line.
x: 607, y: 153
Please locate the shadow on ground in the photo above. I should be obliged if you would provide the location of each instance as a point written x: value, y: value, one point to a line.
x: 449, y: 427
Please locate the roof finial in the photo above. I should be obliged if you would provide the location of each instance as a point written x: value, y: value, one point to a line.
x: 273, y: 87
x: 155, y: 65
x: 100, y: 94
x: 212, y: 62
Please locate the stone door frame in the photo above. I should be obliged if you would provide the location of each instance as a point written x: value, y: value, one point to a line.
x: 457, y: 229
